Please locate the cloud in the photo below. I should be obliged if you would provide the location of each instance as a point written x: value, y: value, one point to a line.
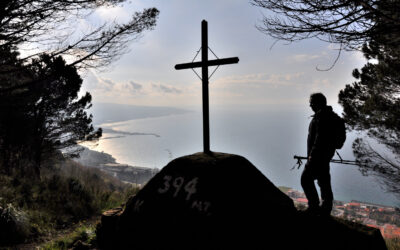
x: 319, y: 84
x: 127, y: 87
x: 94, y: 83
x: 262, y: 79
x: 165, y: 89
x: 106, y: 84
x: 113, y: 13
x: 135, y: 86
x: 120, y: 91
x: 304, y: 57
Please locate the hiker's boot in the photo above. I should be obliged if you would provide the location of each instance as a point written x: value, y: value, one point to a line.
x: 326, y: 209
x: 313, y: 210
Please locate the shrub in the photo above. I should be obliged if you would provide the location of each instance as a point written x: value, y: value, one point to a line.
x: 65, y: 194
x: 14, y: 226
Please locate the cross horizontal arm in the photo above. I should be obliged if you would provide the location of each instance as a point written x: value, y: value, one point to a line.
x: 216, y: 62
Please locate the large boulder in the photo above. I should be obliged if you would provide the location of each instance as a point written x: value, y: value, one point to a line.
x: 221, y: 201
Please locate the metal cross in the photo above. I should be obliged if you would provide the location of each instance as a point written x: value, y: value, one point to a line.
x: 204, y: 64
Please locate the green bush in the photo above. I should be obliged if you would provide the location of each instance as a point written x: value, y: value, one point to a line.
x: 84, y: 235
x: 65, y: 194
x: 14, y: 225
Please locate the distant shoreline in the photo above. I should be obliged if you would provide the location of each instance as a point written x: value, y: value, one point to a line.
x: 107, y: 163
x: 121, y: 134
x: 104, y: 113
x: 112, y: 122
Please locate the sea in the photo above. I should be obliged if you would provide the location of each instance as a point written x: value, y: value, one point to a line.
x: 266, y: 137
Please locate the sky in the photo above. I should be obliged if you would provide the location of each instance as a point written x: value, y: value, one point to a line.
x: 269, y: 74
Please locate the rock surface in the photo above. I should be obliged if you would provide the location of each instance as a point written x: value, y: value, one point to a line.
x: 222, y: 201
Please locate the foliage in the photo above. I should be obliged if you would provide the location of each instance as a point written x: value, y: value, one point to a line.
x: 39, y: 104
x: 54, y: 25
x: 42, y: 114
x: 59, y: 111
x: 45, y: 117
x: 82, y: 236
x: 66, y: 194
x: 372, y: 104
x: 40, y: 111
x: 13, y: 224
x: 348, y: 23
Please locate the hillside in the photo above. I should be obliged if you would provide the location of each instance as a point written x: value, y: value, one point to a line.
x: 108, y: 164
x: 67, y: 194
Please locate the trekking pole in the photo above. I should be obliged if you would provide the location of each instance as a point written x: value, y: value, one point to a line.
x: 338, y: 161
x: 299, y: 161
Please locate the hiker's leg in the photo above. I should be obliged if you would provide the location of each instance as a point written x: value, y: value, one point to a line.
x: 324, y: 182
x: 307, y: 182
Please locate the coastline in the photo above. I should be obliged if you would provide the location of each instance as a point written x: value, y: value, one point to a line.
x: 107, y: 163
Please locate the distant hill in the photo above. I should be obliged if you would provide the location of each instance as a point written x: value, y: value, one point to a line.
x: 92, y: 158
x: 108, y: 164
x: 111, y: 112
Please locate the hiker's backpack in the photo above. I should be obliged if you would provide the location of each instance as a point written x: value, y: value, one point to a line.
x: 339, y: 129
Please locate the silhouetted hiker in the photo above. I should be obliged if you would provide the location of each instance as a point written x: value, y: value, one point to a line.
x: 320, y: 150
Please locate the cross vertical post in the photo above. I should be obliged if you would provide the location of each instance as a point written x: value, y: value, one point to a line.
x: 204, y: 76
x: 204, y: 64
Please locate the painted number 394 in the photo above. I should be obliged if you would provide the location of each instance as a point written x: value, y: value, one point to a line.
x: 178, y: 185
